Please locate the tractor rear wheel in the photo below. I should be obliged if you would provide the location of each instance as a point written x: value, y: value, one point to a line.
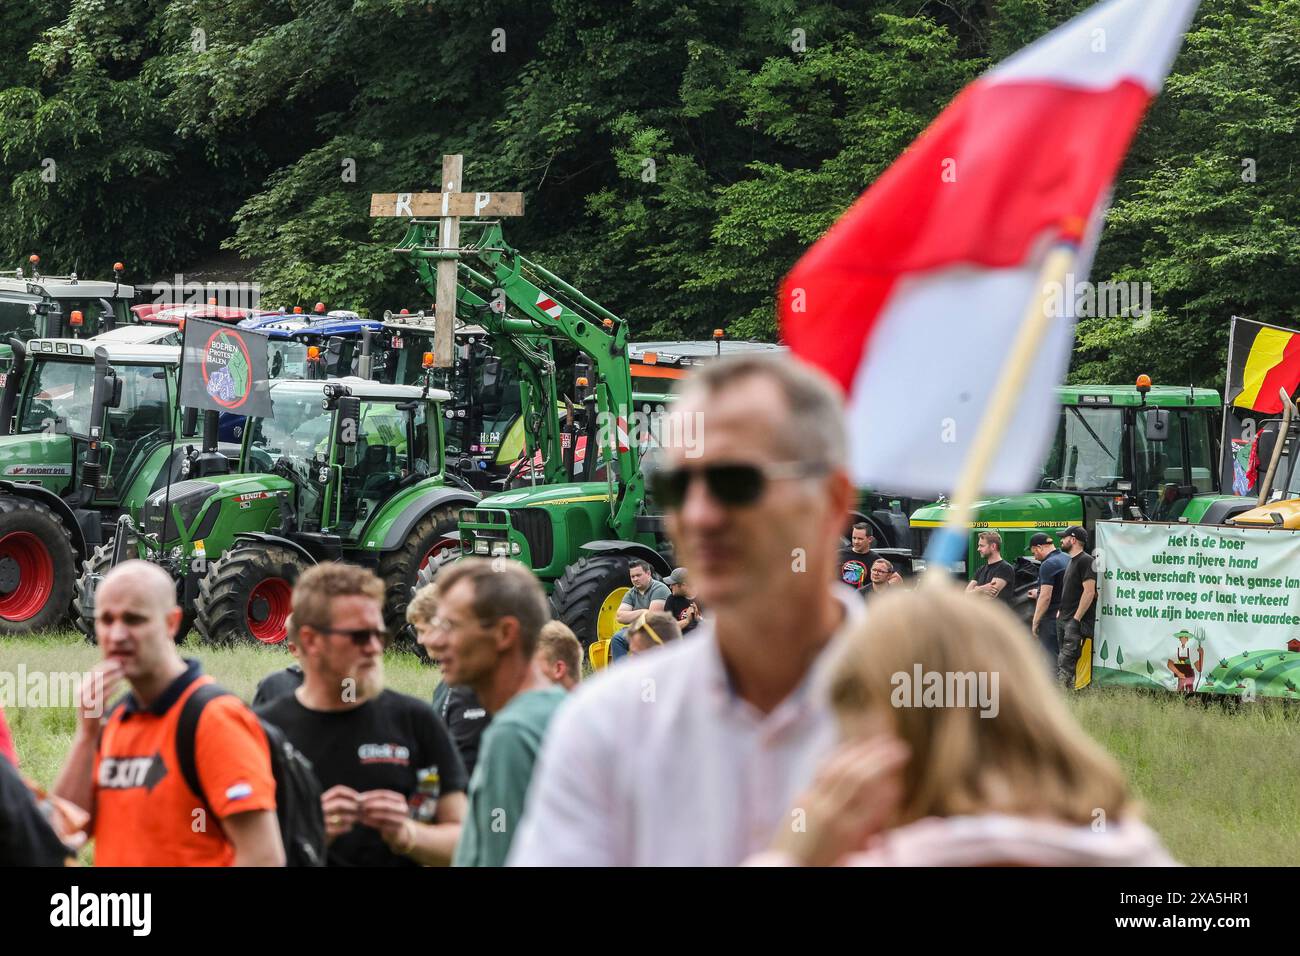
x: 246, y: 595
x: 38, y: 567
x: 100, y: 562
x: 401, y: 569
x: 587, y: 596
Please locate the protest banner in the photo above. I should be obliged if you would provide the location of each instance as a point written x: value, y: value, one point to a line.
x: 1198, y: 609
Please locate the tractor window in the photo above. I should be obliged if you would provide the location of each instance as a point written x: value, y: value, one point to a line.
x: 1087, y: 454
x: 142, y: 421
x: 297, y: 432
x: 383, y: 458
x: 17, y: 322
x: 286, y: 358
x: 96, y: 316
x: 57, y: 393
x: 1160, y: 464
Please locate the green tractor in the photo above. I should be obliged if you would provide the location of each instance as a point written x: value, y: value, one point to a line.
x: 344, y: 469
x: 1120, y: 452
x: 86, y: 434
x: 54, y: 307
x: 576, y: 526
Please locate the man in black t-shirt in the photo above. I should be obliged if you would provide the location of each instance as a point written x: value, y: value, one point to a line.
x: 681, y: 606
x: 1078, y: 609
x: 465, y: 718
x: 997, y: 579
x: 394, y: 786
x: 857, y: 559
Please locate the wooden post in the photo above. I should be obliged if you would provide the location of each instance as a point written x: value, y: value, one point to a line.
x: 444, y: 318
x: 448, y: 205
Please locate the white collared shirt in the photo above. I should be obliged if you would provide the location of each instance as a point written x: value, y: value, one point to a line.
x: 656, y: 762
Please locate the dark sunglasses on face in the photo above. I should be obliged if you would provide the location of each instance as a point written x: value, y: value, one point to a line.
x: 733, y: 485
x: 360, y: 636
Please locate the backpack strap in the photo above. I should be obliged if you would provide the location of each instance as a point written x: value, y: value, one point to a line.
x: 186, y: 728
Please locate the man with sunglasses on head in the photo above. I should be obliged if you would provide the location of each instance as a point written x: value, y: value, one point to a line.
x: 691, y: 755
x: 393, y: 784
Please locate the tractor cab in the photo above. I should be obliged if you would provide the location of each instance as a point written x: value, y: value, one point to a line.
x: 59, y: 307
x: 1138, y: 452
x: 87, y: 415
x: 346, y: 446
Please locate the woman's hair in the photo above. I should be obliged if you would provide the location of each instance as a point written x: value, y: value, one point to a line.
x: 1027, y: 757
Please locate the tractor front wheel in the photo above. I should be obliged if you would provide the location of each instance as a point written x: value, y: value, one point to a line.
x: 587, y: 596
x: 100, y: 562
x: 401, y: 570
x: 37, y: 567
x: 246, y: 595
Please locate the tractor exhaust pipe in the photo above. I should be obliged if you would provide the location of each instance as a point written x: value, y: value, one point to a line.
x: 363, y: 365
x: 9, y: 397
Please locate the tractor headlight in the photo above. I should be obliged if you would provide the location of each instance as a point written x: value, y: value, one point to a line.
x: 500, y: 549
x: 514, y: 548
x: 481, y: 546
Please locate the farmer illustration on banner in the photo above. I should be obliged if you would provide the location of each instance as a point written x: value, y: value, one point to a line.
x: 1188, y: 663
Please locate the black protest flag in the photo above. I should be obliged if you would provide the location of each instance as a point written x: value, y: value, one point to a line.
x: 225, y: 369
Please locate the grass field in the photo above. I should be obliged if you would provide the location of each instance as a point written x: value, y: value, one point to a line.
x: 1220, y: 785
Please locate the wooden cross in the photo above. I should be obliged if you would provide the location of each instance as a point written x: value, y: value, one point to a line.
x: 449, y: 206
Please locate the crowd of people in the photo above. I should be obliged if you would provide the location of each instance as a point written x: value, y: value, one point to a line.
x: 749, y: 713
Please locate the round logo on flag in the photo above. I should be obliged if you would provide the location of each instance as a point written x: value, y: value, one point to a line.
x: 227, y: 369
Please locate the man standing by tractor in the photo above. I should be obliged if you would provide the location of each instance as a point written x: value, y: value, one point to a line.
x: 646, y: 594
x: 1078, y: 611
x: 997, y: 579
x: 1051, y: 570
x: 692, y: 754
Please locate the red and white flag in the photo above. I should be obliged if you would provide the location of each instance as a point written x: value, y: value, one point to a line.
x: 913, y: 298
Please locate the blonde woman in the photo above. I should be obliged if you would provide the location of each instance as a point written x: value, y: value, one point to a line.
x: 958, y: 751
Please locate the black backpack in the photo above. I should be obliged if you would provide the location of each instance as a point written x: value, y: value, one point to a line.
x: 297, y: 791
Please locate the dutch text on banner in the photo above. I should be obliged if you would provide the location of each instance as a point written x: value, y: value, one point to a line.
x: 1198, y: 609
x: 913, y: 298
x: 225, y: 369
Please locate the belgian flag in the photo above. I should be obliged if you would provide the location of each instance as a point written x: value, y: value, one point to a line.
x: 1264, y: 358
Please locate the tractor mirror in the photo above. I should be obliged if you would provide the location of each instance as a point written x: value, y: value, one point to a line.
x: 189, y: 422
x: 115, y: 396
x: 1157, y: 424
x: 348, y: 420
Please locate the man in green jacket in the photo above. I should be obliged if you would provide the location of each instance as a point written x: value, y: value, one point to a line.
x: 489, y: 614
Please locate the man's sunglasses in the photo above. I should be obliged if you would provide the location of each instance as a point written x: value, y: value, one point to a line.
x: 732, y: 485
x: 360, y: 636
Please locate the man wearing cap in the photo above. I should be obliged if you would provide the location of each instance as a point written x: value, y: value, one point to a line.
x: 680, y: 604
x: 1051, y: 569
x: 1077, y: 610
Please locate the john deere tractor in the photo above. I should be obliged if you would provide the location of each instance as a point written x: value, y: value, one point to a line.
x: 344, y: 469
x: 86, y: 434
x: 576, y: 531
x: 1121, y: 452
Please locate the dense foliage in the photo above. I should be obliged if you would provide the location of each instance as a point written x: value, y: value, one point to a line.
x: 676, y: 157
